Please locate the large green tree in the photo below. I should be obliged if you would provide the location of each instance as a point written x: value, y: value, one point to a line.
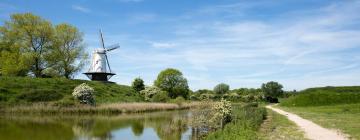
x: 30, y: 44
x: 172, y: 81
x: 67, y: 53
x: 33, y: 35
x: 272, y: 89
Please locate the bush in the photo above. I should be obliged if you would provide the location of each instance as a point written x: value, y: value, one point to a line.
x: 84, y: 94
x: 221, y: 88
x: 149, y: 92
x: 244, y: 126
x: 162, y: 96
x: 222, y: 113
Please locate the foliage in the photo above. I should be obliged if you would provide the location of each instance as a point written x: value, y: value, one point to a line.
x: 84, y: 94
x: 161, y: 96
x: 149, y: 92
x: 35, y: 45
x: 178, y: 100
x: 324, y: 96
x: 272, y: 89
x: 245, y: 123
x: 221, y: 88
x: 172, y: 81
x: 138, y: 84
x: 221, y: 113
x: 67, y: 52
x: 18, y: 90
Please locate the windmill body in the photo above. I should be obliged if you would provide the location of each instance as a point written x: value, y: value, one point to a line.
x: 100, y: 68
x: 98, y: 63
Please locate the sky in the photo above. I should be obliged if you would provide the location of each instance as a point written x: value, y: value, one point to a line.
x: 243, y: 43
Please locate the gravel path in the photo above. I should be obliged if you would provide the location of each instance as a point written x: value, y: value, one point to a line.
x: 312, y: 130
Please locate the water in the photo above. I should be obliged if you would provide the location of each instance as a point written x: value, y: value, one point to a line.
x: 172, y: 125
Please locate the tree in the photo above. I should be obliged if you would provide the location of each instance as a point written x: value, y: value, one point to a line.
x: 67, y: 56
x: 31, y: 45
x: 32, y: 35
x: 138, y: 84
x: 272, y: 89
x: 172, y: 81
x: 221, y: 88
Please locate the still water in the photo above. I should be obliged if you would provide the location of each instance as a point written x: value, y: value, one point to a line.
x: 171, y: 125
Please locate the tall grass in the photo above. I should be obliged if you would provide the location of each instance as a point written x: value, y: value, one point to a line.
x: 246, y: 121
x: 112, y: 108
x: 324, y: 96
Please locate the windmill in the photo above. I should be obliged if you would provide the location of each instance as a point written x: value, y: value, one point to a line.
x: 98, y: 70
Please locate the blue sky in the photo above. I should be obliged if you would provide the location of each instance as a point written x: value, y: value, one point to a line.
x: 300, y: 44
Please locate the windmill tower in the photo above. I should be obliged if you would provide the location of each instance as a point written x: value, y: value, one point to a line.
x: 100, y: 68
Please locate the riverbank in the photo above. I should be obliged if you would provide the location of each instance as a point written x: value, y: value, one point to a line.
x: 111, y: 108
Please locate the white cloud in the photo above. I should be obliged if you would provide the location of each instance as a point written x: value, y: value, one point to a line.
x: 81, y: 8
x: 163, y: 45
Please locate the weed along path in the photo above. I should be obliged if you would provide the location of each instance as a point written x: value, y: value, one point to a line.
x: 312, y: 130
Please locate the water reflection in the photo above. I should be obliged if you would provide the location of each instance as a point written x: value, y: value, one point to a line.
x: 149, y: 126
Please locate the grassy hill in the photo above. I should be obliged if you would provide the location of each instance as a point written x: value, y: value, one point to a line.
x: 325, y: 96
x: 18, y: 90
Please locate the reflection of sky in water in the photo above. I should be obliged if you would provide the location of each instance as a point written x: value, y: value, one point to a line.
x: 148, y: 134
x: 127, y: 134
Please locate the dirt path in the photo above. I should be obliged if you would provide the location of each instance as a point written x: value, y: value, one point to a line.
x: 312, y: 130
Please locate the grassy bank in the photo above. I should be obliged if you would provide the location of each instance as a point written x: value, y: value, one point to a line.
x: 23, y: 90
x: 343, y: 117
x: 278, y: 127
x: 324, y: 96
x: 245, y: 123
x: 112, y: 108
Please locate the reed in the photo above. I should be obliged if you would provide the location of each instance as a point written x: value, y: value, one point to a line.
x: 111, y: 108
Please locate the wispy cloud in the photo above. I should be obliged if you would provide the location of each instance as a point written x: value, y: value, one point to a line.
x: 248, y: 52
x: 81, y: 8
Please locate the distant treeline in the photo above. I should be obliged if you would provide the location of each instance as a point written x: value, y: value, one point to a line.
x: 33, y: 46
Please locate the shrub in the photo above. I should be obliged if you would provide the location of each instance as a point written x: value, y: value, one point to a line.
x: 222, y: 112
x: 221, y: 88
x: 172, y: 81
x: 138, y: 84
x: 84, y: 94
x: 149, y: 92
x: 161, y: 96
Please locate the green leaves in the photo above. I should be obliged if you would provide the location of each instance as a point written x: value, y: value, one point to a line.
x: 30, y: 44
x: 272, y: 89
x: 172, y: 81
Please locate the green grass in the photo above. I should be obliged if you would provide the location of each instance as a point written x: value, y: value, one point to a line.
x: 245, y: 124
x: 23, y: 90
x: 324, y: 96
x: 278, y: 127
x: 344, y: 117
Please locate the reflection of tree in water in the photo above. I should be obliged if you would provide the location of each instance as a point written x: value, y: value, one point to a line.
x: 168, y: 126
x: 137, y: 128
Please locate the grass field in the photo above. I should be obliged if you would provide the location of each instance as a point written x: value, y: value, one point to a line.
x: 343, y: 117
x: 278, y: 127
x: 22, y: 90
